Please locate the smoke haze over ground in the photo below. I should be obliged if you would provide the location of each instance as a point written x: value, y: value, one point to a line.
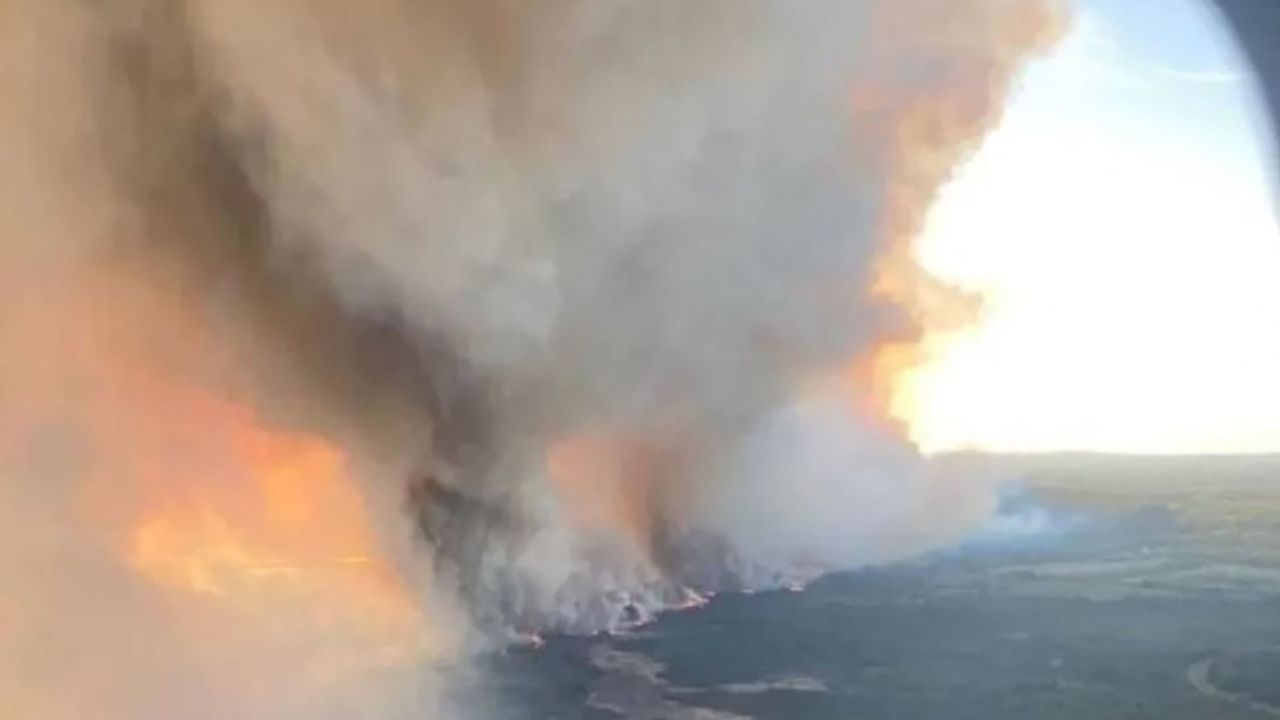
x: 340, y: 339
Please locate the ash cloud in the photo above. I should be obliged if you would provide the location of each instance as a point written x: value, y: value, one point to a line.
x: 573, y: 286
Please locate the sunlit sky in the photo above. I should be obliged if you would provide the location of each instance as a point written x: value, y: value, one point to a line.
x: 1120, y: 223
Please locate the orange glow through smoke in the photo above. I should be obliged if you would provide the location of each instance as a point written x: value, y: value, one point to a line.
x: 606, y: 484
x: 216, y: 506
x: 301, y: 514
x: 271, y: 526
x: 934, y: 120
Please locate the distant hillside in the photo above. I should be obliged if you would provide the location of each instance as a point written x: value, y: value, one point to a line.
x: 1159, y: 473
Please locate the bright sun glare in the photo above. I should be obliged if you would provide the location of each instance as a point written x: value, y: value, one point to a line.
x: 1120, y: 225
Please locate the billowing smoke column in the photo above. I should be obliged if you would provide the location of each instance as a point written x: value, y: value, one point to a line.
x: 340, y: 337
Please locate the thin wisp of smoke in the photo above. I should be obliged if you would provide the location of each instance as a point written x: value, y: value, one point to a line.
x: 342, y: 339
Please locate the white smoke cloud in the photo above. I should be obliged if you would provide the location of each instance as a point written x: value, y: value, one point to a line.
x: 556, y: 278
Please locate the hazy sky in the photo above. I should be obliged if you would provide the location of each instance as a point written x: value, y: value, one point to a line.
x: 1121, y: 225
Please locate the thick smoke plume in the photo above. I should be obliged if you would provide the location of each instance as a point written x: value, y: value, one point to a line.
x: 341, y: 338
